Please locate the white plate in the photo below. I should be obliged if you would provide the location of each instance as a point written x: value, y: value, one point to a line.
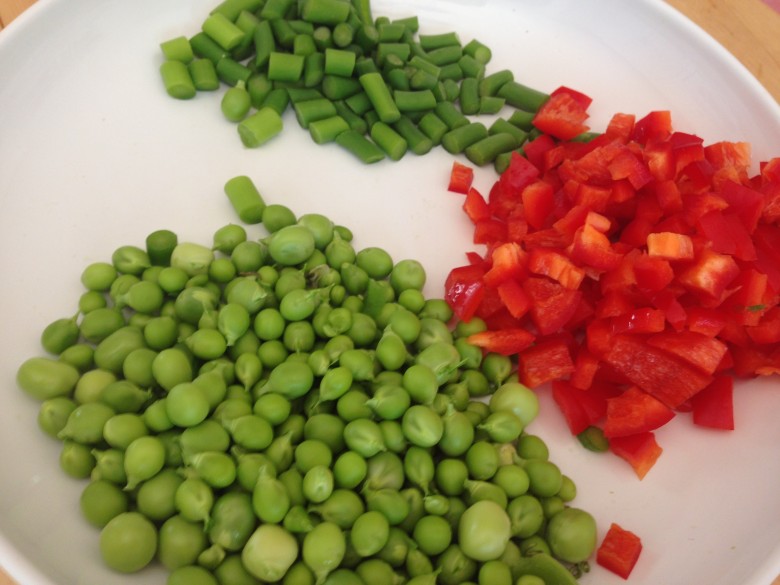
x: 94, y: 155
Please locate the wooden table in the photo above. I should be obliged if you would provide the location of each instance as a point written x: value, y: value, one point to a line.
x: 747, y: 28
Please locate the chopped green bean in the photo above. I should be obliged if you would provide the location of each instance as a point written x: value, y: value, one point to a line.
x: 414, y: 101
x: 418, y: 142
x: 457, y: 140
x: 204, y: 75
x: 260, y: 127
x: 521, y: 96
x: 389, y: 140
x: 285, y: 66
x: 177, y: 49
x: 326, y: 130
x: 329, y: 12
x: 177, y: 80
x: 378, y: 93
x: 309, y: 111
x: 361, y: 147
x: 223, y: 31
x: 339, y: 62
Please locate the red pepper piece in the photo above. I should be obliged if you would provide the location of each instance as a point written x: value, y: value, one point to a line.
x: 710, y: 274
x: 514, y: 297
x: 635, y: 411
x: 562, y: 116
x: 548, y: 262
x: 670, y: 245
x: 552, y: 305
x: 585, y: 367
x: 567, y: 399
x: 713, y: 407
x: 544, y: 362
x: 593, y: 249
x: 767, y: 331
x: 489, y: 231
x: 461, y: 178
x: 464, y: 290
x: 641, y: 451
x: 653, y: 273
x: 619, y: 551
x: 640, y: 320
x: 504, y: 341
x: 620, y: 127
x: 657, y: 372
x: 655, y: 126
x: 475, y: 206
x: 537, y: 201
x: 706, y: 353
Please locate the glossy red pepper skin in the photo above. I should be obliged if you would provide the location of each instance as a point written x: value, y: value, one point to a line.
x: 619, y: 551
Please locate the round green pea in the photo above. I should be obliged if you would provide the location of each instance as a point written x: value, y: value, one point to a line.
x: 128, y: 542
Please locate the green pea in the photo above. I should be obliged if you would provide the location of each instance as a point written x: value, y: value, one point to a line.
x: 76, y: 459
x: 318, y: 484
x: 407, y: 274
x: 101, y: 501
x: 291, y: 245
x: 458, y: 433
x: 432, y: 534
x: 513, y: 479
x: 342, y: 508
x: 389, y: 402
x: 517, y: 398
x: 45, y: 378
x: 122, y: 429
x: 191, y: 575
x: 526, y: 515
x: 187, y: 405
x: 155, y: 498
x: 128, y: 542
x: 124, y: 396
x: 274, y: 408
x: 216, y: 468
x: 419, y: 467
x: 326, y: 428
x: 349, y: 470
x: 364, y: 437
x: 208, y: 435
x: 389, y: 502
x: 312, y: 453
x: 291, y: 379
x: 226, y: 238
x: 421, y: 383
x: 385, y: 471
x: 370, y: 533
x: 92, y: 300
x: 109, y: 465
x: 451, y: 475
x: 53, y: 414
x: 248, y: 256
x: 269, y: 552
x: 544, y: 476
x: 180, y: 542
x: 193, y: 259
x: 482, y: 460
x: 323, y: 549
x: 270, y: 499
x: 144, y: 458
x: 320, y: 226
x: 111, y: 352
x: 98, y: 276
x: 172, y: 279
x: 85, y: 424
x: 496, y: 368
x: 422, y: 426
x: 532, y: 447
x: 194, y: 499
x: 58, y: 335
x: 456, y: 566
x: 484, y: 531
x: 79, y: 355
x: 571, y: 534
x: 232, y: 521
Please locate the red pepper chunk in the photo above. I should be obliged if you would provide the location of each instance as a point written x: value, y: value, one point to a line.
x: 593, y: 249
x: 713, y: 407
x: 475, y: 206
x: 464, y: 290
x: 635, y: 411
x: 552, y: 305
x: 503, y: 341
x: 619, y: 551
x: 544, y: 362
x: 562, y: 116
x: 461, y: 178
x: 710, y: 274
x: 641, y: 451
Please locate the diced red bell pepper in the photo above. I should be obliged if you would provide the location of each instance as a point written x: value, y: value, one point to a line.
x: 767, y: 330
x: 747, y: 203
x: 548, y: 262
x: 552, y: 305
x: 464, y: 290
x: 509, y: 262
x: 536, y: 149
x: 727, y: 235
x: 706, y: 353
x: 639, y: 320
x: 641, y: 451
x: 562, y: 116
x: 635, y: 411
x: 626, y: 165
x: 544, y: 362
x: 620, y: 127
x: 475, y: 206
x: 504, y: 341
x: 710, y: 274
x: 569, y: 402
x: 670, y: 246
x: 461, y: 178
x: 593, y: 249
x: 489, y: 231
x: 653, y: 273
x: 709, y: 322
x: 655, y: 371
x: 714, y: 406
x: 520, y: 173
x: 655, y: 126
x: 514, y: 297
x: 619, y: 551
x: 537, y: 201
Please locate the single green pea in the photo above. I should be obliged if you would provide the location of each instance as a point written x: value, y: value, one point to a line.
x: 513, y: 479
x: 407, y: 274
x: 180, y: 542
x: 544, y: 476
x: 496, y: 367
x: 456, y: 566
x: 343, y: 507
x: 187, y: 404
x: 109, y: 465
x: 482, y: 460
x: 526, y: 515
x: 451, y: 475
x: 98, y: 276
x: 192, y: 258
x: 320, y: 227
x: 155, y: 498
x: 85, y: 424
x: 274, y: 408
x: 111, y: 352
x: 270, y: 499
x: 422, y: 426
x: 369, y: 533
x: 122, y: 429
x: 248, y: 256
x: 432, y: 534
x: 137, y: 367
x: 572, y: 535
x: 323, y: 549
x: 272, y: 353
x: 130, y: 260
x: 232, y: 521
x: 76, y: 459
x: 291, y: 245
x: 458, y: 433
x: 144, y: 458
x: 232, y: 570
x: 79, y: 355
x: 101, y: 501
x: 59, y: 335
x: 532, y: 447
x: 191, y: 575
x: 91, y: 300
x: 100, y: 323
x: 226, y: 238
x: 484, y: 531
x: 390, y: 502
x: 318, y: 484
x: 216, y: 468
x: 502, y: 426
x: 128, y: 542
x: 385, y: 471
x: 172, y: 279
x: 349, y: 470
x: 364, y: 436
x: 53, y: 414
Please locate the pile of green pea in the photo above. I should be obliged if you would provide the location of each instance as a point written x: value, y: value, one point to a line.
x: 286, y: 408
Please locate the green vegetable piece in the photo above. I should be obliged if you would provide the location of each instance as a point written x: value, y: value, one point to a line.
x: 261, y: 126
x: 269, y: 552
x: 484, y: 531
x: 45, y: 378
x: 128, y: 542
x: 245, y: 199
x: 177, y: 80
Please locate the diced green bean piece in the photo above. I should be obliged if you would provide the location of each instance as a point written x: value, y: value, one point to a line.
x: 339, y: 88
x: 326, y: 130
x: 247, y: 21
x: 389, y: 140
x: 363, y: 11
x: 412, y: 23
x: 451, y: 71
x: 231, y: 71
x: 360, y: 146
x: 355, y: 122
x: 380, y: 96
x: 522, y: 97
x: 458, y: 140
x: 265, y: 43
x: 422, y: 79
x: 275, y: 9
x: 245, y: 199
x: 260, y: 127
x: 490, y: 84
x: 283, y: 33
x: 469, y: 96
x: 303, y: 94
x: 479, y: 51
x: 437, y: 41
x: 365, y: 65
x: 359, y: 103
x: 366, y: 37
x: 312, y: 110
x: 223, y: 31
x: 304, y: 45
x: 380, y: 20
x: 177, y: 80
x: 502, y: 125
x: 177, y: 49
x: 204, y: 75
x: 277, y: 99
x: 450, y: 115
x: 313, y: 69
x: 371, y: 118
x: 205, y: 47
x: 400, y: 50
x: 486, y: 150
x: 285, y: 67
x: 471, y: 67
x: 339, y: 62
x: 415, y: 101
x: 323, y: 37
x: 433, y: 127
x: 445, y: 55
x: 302, y: 27
x: 451, y: 90
x: 391, y: 32
x: 398, y: 80
x: 330, y: 12
x: 232, y: 8
x: 425, y: 65
x: 343, y: 34
x: 417, y: 141
x: 392, y: 62
x: 522, y: 119
x: 490, y: 104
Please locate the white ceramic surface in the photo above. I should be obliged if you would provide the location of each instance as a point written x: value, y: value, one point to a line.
x: 94, y: 155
